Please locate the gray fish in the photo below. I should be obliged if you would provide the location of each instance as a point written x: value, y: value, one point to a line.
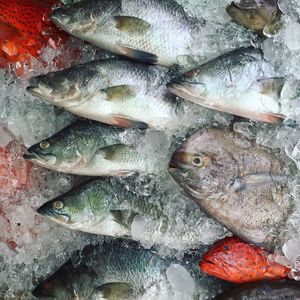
x: 88, y: 148
x: 109, y: 270
x: 151, y: 31
x: 240, y: 82
x: 260, y: 16
x: 116, y: 92
x: 106, y: 207
x: 241, y: 185
x: 280, y: 290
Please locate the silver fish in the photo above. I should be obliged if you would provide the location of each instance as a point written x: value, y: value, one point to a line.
x: 88, y: 148
x: 115, y: 92
x: 106, y: 207
x: 151, y: 31
x: 240, y: 82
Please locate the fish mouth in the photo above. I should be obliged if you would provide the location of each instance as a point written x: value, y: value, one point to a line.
x: 40, y: 90
x: 41, y: 159
x: 185, y: 90
x: 60, y: 17
x: 45, y: 210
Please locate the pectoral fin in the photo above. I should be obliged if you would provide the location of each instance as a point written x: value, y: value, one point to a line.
x: 120, y: 92
x: 131, y: 25
x: 138, y: 55
x: 254, y: 181
x: 272, y: 28
x: 123, y: 217
x: 113, y: 291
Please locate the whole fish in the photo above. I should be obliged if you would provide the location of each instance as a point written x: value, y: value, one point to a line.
x: 260, y: 16
x: 25, y: 29
x: 236, y: 261
x: 88, y: 148
x: 239, y: 82
x: 235, y: 181
x: 115, y: 270
x: 154, y: 31
x: 108, y: 208
x: 115, y: 92
x: 280, y: 290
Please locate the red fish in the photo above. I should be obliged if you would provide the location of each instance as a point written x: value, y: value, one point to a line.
x: 236, y: 261
x: 25, y: 29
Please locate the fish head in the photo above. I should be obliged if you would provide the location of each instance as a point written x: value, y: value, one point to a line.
x: 202, y: 165
x: 75, y: 209
x: 59, y: 152
x: 85, y: 17
x: 67, y: 283
x: 191, y: 86
x: 66, y: 88
x: 226, y: 258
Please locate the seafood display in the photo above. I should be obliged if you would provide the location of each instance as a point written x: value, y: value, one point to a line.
x: 149, y: 149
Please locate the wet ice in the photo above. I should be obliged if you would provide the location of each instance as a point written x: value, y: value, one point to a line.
x: 32, y: 247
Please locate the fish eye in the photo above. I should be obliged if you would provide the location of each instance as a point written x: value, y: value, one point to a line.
x: 227, y: 248
x: 44, y: 144
x: 58, y: 205
x: 191, y: 73
x: 197, y: 161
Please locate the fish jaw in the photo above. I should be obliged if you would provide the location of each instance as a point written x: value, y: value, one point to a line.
x: 47, y: 161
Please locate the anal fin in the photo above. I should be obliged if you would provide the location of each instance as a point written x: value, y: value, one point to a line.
x: 123, y: 121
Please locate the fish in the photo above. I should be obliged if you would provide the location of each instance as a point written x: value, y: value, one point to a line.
x: 153, y: 32
x: 114, y: 269
x: 88, y: 148
x: 106, y: 207
x: 239, y: 82
x: 25, y: 30
x: 237, y: 261
x: 260, y: 16
x: 116, y: 92
x: 279, y: 290
x: 236, y: 181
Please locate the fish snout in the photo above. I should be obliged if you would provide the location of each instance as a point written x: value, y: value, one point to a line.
x: 60, y: 17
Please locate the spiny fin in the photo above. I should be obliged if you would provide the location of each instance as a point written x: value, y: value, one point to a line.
x: 138, y: 55
x: 123, y: 121
x: 123, y: 217
x: 120, y: 92
x: 253, y: 181
x: 131, y: 25
x: 113, y: 291
x: 8, y: 32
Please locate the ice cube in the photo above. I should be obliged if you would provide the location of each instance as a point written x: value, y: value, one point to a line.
x: 291, y: 249
x: 292, y: 36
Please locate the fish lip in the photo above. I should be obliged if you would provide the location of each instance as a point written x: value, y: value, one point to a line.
x: 34, y: 91
x: 29, y: 156
x: 60, y: 17
x: 181, y: 89
x: 45, y: 211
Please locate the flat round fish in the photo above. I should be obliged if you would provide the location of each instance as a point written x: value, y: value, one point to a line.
x: 240, y: 184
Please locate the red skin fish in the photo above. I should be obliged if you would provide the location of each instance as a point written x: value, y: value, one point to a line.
x: 25, y: 29
x: 234, y: 260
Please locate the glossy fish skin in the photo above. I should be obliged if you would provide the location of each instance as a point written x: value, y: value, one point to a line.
x: 149, y: 31
x: 88, y: 148
x: 280, y: 290
x: 239, y: 82
x: 257, y: 17
x: 106, y: 207
x: 105, y: 269
x: 116, y: 92
x: 99, y: 207
x: 236, y: 261
x: 240, y: 185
